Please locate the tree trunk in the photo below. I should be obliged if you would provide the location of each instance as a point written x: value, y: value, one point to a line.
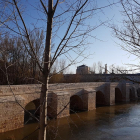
x: 46, y: 70
x: 43, y: 108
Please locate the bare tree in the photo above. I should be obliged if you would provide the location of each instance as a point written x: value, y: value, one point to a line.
x: 62, y: 63
x: 129, y: 34
x: 111, y: 69
x: 93, y: 68
x: 100, y: 67
x: 12, y: 52
x: 4, y: 15
x: 69, y: 39
x: 59, y: 66
x: 117, y: 69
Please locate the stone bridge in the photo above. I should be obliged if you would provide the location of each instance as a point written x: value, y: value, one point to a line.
x: 62, y: 99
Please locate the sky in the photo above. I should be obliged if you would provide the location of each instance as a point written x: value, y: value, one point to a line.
x: 105, y: 47
x: 108, y: 50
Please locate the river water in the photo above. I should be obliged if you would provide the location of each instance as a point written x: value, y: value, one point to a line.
x: 119, y: 122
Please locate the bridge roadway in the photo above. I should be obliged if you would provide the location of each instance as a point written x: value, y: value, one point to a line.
x: 66, y: 97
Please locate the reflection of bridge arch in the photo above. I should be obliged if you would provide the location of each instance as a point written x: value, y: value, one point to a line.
x: 118, y: 95
x: 33, y: 108
x: 100, y: 98
x: 76, y: 104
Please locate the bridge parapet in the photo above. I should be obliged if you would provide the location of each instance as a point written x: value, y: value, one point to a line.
x: 19, y: 89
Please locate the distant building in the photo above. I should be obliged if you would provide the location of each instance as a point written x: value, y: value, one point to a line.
x: 83, y: 69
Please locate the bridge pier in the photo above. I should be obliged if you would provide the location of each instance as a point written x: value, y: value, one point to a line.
x: 126, y: 92
x: 91, y: 98
x: 52, y: 105
x: 129, y: 92
x: 108, y: 91
x: 63, y: 103
x: 135, y: 92
x: 110, y: 94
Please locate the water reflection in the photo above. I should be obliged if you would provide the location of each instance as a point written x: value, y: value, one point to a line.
x: 108, y: 122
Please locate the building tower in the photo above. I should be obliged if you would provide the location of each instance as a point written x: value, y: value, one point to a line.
x: 83, y: 69
x: 105, y: 68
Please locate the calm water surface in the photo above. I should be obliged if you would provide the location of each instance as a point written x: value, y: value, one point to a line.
x: 120, y: 122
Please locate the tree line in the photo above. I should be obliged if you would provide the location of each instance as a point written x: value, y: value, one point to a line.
x: 99, y: 68
x: 17, y: 66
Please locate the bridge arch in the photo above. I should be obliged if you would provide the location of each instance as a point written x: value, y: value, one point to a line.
x: 118, y: 95
x: 100, y: 98
x: 76, y: 104
x: 33, y: 108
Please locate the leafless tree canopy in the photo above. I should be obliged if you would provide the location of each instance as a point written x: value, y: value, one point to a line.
x: 67, y: 26
x: 129, y: 34
x: 100, y: 67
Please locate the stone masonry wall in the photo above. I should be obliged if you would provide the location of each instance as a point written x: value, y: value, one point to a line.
x: 12, y: 115
x: 91, y: 98
x: 63, y: 102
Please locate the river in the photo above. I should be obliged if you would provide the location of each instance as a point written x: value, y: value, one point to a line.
x: 119, y: 122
